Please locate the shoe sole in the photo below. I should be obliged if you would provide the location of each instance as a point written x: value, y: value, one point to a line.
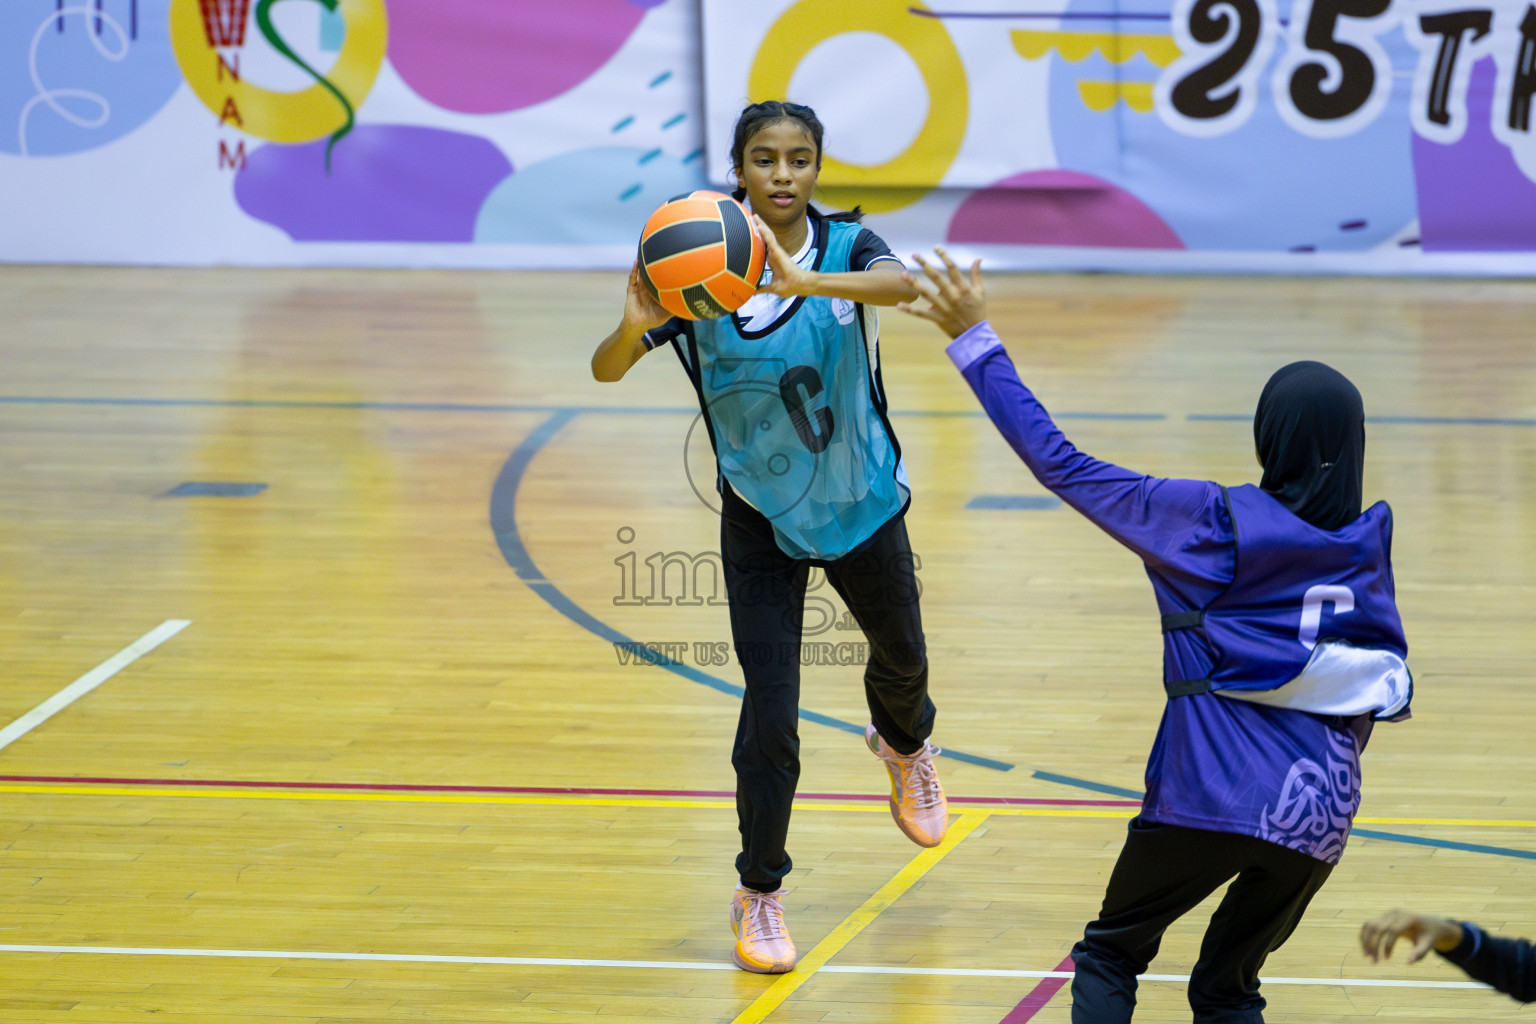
x: 747, y: 965
x: 871, y: 740
x: 925, y: 842
x: 758, y: 969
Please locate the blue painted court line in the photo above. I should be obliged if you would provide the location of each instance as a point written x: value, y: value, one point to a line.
x: 1430, y: 421
x: 515, y: 552
x: 1444, y: 844
x: 214, y: 489
x: 504, y: 498
x: 1014, y: 501
x: 980, y: 414
x: 1364, y: 833
x: 1453, y: 421
x: 278, y: 403
x: 622, y: 410
x: 1097, y: 787
x: 1137, y: 416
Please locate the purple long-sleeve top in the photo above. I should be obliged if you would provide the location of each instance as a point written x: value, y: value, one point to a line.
x: 1226, y: 765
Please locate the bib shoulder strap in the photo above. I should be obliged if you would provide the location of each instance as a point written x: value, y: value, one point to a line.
x: 1184, y: 620
x: 1186, y: 687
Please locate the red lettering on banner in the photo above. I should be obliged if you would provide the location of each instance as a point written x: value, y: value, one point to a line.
x: 232, y: 161
x: 224, y: 21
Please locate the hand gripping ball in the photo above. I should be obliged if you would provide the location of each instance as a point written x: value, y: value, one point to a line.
x: 701, y: 255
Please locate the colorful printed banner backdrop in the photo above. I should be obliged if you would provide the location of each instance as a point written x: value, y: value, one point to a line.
x: 1357, y: 136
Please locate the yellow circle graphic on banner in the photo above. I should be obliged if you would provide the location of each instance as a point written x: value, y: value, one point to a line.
x: 914, y: 173
x: 302, y: 116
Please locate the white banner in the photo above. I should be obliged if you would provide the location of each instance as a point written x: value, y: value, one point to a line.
x: 1301, y: 136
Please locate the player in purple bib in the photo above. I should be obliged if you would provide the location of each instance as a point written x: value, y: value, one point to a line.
x: 1282, y: 646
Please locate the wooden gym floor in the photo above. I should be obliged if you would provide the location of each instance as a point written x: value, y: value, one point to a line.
x: 338, y: 577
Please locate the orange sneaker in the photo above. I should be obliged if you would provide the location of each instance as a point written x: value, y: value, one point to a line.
x: 763, y: 945
x: 917, y: 799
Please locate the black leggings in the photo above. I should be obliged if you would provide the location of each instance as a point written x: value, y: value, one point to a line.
x: 1162, y: 873
x: 767, y: 600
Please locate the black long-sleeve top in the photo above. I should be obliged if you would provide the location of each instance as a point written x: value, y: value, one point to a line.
x: 1509, y: 965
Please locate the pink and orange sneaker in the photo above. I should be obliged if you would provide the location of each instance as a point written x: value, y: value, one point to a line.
x: 917, y: 799
x: 763, y: 945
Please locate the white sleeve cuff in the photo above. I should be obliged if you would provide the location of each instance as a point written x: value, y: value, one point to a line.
x: 973, y: 344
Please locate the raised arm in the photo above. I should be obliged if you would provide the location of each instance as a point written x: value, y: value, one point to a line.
x: 885, y: 283
x: 626, y: 343
x: 1153, y: 516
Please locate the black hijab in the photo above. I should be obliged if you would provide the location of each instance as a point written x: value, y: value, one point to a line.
x: 1309, y: 431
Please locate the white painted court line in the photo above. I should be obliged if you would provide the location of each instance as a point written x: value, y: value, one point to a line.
x: 675, y: 965
x: 407, y: 958
x: 92, y: 679
x: 1328, y: 982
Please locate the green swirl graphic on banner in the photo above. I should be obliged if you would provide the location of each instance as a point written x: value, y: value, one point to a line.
x: 270, y: 33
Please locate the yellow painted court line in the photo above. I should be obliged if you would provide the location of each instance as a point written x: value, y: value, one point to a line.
x: 528, y: 800
x: 375, y: 797
x: 531, y: 800
x: 957, y: 804
x: 855, y: 922
x: 68, y: 789
x: 1468, y: 822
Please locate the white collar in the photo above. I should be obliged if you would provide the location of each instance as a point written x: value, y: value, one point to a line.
x: 810, y: 241
x: 810, y: 237
x: 762, y: 309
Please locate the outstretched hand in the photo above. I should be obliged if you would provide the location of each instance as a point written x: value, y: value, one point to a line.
x: 786, y: 277
x: 955, y: 303
x: 1379, y: 936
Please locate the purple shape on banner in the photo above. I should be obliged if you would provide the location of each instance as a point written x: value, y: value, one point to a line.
x: 387, y: 183
x: 1473, y: 197
x: 491, y: 56
x: 1060, y: 208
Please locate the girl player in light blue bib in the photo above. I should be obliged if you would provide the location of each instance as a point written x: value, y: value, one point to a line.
x: 809, y: 474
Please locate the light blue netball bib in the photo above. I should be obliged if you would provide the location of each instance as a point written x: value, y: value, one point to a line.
x: 797, y: 414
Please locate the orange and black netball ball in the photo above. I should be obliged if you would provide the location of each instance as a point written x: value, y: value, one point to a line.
x: 701, y: 255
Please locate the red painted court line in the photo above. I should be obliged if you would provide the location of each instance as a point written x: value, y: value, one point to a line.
x: 1019, y: 801
x: 1038, y: 996
x: 385, y: 787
